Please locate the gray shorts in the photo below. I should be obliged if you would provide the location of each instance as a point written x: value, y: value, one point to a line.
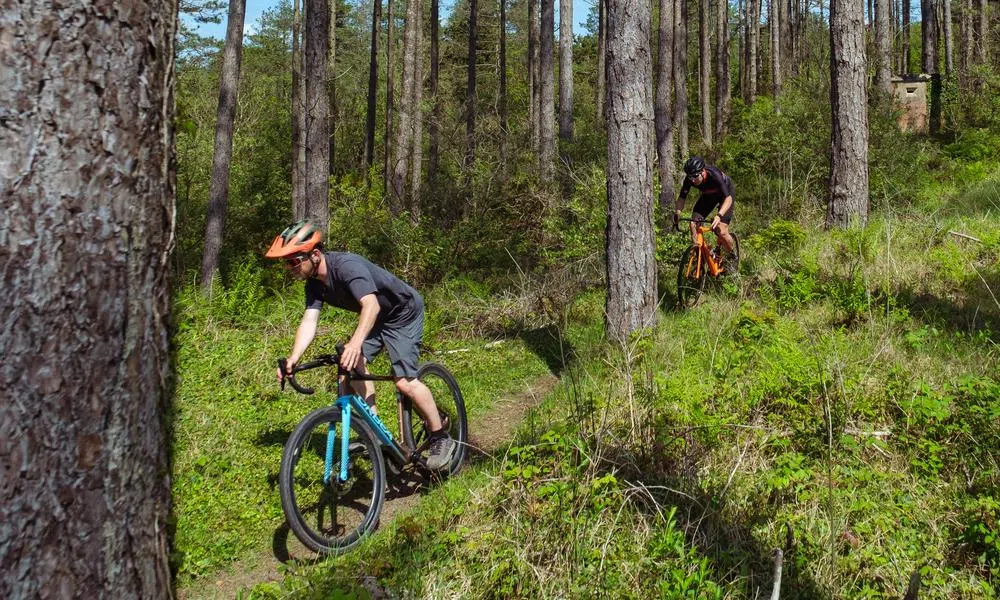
x: 403, y: 341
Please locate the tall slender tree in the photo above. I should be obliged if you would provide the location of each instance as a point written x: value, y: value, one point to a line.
x: 566, y: 70
x: 982, y: 32
x: 631, y: 267
x: 928, y: 37
x: 331, y: 82
x: 753, y: 49
x: 434, y: 128
x: 602, y: 44
x: 883, y: 71
x: 664, y: 109
x: 849, y: 157
x: 394, y: 206
x: 416, y: 164
x: 370, y: 115
x: 547, y: 100
x: 318, y: 114
x: 298, y: 118
x: 949, y: 64
x: 403, y: 146
x: 775, y: 27
x: 722, y: 85
x: 470, y: 92
x: 680, y: 76
x: 534, y: 86
x: 503, y: 83
x: 907, y: 63
x: 87, y: 174
x: 223, y: 154
x: 705, y: 70
x: 965, y: 33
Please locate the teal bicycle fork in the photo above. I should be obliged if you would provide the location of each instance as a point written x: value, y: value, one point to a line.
x: 346, y: 402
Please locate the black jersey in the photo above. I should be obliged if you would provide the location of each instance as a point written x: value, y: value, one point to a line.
x: 714, y: 189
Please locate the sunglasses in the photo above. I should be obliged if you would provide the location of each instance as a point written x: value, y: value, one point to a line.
x: 293, y: 263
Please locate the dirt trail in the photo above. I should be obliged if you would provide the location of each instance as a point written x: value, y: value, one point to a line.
x: 487, y: 433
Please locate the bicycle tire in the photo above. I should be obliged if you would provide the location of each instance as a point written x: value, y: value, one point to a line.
x: 690, y: 278
x: 305, y: 499
x: 450, y: 403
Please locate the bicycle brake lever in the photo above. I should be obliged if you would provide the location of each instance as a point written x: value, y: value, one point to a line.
x: 282, y: 366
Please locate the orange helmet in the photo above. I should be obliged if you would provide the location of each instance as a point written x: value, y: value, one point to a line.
x: 299, y: 238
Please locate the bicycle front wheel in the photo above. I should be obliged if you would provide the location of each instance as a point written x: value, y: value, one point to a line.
x: 331, y: 516
x: 451, y: 410
x: 691, y: 275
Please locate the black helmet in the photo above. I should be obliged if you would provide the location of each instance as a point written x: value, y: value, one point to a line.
x: 694, y: 165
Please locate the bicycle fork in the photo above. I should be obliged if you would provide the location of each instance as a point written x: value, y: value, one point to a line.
x: 345, y: 442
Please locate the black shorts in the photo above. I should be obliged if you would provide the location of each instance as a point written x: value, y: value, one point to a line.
x: 703, y: 208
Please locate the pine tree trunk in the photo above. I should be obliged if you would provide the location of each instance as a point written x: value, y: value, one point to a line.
x: 631, y: 268
x: 435, y: 124
x: 906, y: 37
x: 566, y: 70
x: 883, y: 72
x: 404, y: 127
x: 753, y: 49
x: 664, y: 108
x: 416, y: 171
x: 775, y: 26
x: 548, y: 104
x: 965, y: 32
x: 722, y: 85
x: 982, y: 29
x: 705, y: 71
x: 394, y: 206
x: 372, y: 87
x: 602, y: 44
x: 534, y: 83
x: 742, y: 51
x: 680, y: 77
x: 298, y: 119
x: 470, y: 93
x: 318, y: 115
x: 87, y: 173
x: 949, y: 64
x: 928, y: 39
x: 331, y: 84
x: 849, y: 156
x: 223, y: 153
x: 503, y: 84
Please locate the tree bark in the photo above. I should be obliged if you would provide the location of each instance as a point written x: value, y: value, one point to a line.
x: 949, y: 64
x: 88, y: 180
x: 631, y: 268
x: 218, y: 195
x: 534, y: 83
x: 849, y: 157
x: 318, y: 115
x: 470, y: 93
x: 331, y: 84
x: 566, y: 70
x: 928, y: 37
x: 680, y: 76
x: 394, y: 207
x: 883, y: 72
x: 965, y: 32
x: 705, y: 71
x: 982, y: 30
x: 753, y: 49
x: 434, y: 130
x: 906, y: 36
x: 775, y: 26
x: 547, y: 81
x: 298, y: 119
x: 416, y: 173
x: 403, y: 146
x: 372, y: 87
x: 664, y: 108
x: 722, y: 85
x: 503, y: 84
x: 602, y: 44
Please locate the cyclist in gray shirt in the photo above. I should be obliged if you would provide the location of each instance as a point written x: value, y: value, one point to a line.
x: 391, y: 315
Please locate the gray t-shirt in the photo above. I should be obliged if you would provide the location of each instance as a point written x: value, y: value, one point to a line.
x: 350, y: 277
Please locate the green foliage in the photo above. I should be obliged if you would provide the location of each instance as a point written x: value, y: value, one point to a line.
x: 974, y: 145
x: 981, y: 520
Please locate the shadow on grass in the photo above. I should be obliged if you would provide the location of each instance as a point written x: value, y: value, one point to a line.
x: 978, y: 312
x: 549, y: 344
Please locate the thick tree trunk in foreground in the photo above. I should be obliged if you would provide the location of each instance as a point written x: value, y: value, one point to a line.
x: 547, y: 102
x: 87, y: 175
x: 849, y: 158
x: 664, y: 107
x: 318, y: 114
x: 566, y: 70
x: 218, y: 195
x: 631, y: 268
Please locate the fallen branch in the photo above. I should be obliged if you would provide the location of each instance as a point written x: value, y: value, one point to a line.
x: 778, y: 559
x: 968, y: 237
x: 878, y: 434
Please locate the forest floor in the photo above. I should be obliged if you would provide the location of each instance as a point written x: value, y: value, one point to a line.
x: 487, y: 435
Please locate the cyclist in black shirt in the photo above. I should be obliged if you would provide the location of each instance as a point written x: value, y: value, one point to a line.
x: 716, y: 192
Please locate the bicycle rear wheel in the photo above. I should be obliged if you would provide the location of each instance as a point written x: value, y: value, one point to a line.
x: 731, y: 260
x: 691, y: 275
x: 331, y: 517
x: 451, y: 409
